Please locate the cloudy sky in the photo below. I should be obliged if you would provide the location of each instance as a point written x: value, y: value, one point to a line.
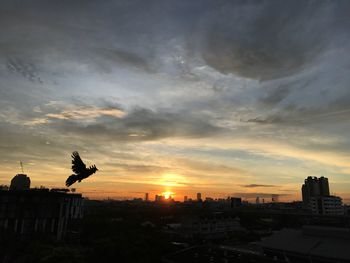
x: 240, y: 98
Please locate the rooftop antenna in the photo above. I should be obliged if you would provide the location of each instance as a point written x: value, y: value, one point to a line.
x: 21, y: 164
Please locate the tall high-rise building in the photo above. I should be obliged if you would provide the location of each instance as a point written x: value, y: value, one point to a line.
x: 324, y: 186
x: 199, y: 197
x: 314, y: 187
x: 20, y: 182
x: 146, y: 197
x: 316, y: 197
x: 185, y: 198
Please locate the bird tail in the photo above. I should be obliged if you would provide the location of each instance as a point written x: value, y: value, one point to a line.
x: 71, y: 180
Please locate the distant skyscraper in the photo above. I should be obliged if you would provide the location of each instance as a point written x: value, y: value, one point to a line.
x: 274, y: 198
x: 185, y: 198
x: 257, y: 200
x: 199, y: 197
x: 20, y: 182
x: 146, y: 197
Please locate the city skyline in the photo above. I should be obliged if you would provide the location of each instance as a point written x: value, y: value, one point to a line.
x: 229, y: 98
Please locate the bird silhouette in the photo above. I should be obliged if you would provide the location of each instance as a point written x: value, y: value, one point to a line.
x: 80, y: 170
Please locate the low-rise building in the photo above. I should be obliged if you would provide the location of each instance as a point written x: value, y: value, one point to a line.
x: 326, y: 205
x: 217, y: 225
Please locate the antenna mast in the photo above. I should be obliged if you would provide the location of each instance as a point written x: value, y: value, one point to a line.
x: 20, y: 162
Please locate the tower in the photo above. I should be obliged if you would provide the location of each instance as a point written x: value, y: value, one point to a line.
x: 314, y: 187
x: 324, y: 186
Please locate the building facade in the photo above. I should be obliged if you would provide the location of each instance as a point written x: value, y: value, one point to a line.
x: 326, y: 205
x: 25, y: 214
x: 317, y: 198
x: 216, y: 226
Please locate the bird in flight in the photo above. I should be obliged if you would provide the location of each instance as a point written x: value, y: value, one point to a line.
x: 80, y: 170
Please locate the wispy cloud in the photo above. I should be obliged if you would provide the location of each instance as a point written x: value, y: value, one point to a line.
x: 84, y: 113
x: 258, y: 185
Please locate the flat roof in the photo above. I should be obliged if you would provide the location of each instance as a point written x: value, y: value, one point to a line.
x: 304, y: 242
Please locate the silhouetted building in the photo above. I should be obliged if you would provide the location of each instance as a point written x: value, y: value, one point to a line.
x: 38, y: 212
x: 20, y: 182
x: 313, y: 187
x: 160, y: 198
x: 236, y: 202
x: 146, y: 197
x: 274, y: 198
x: 199, y: 197
x: 257, y: 200
x: 324, y: 186
x: 326, y: 205
x: 211, y: 226
x: 4, y: 187
x: 315, y: 193
x: 185, y: 198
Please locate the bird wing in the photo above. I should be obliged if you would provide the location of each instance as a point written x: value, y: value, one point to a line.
x: 91, y: 170
x: 71, y: 180
x: 78, y: 166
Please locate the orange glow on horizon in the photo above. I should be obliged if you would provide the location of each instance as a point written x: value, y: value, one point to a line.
x: 168, y: 194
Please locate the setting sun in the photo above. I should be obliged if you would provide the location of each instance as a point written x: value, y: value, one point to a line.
x: 168, y: 195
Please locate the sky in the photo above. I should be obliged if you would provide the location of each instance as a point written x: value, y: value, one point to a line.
x: 226, y: 98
